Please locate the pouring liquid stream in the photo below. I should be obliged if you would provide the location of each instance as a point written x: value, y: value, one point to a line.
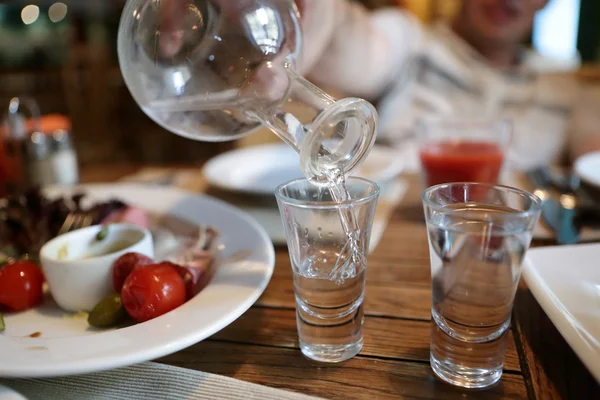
x: 346, y: 266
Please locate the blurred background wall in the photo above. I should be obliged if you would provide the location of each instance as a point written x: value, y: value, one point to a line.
x: 63, y: 53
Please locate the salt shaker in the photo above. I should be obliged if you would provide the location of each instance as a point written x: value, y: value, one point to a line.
x: 63, y: 158
x: 14, y: 165
x: 52, y: 159
x: 37, y: 151
x: 38, y: 165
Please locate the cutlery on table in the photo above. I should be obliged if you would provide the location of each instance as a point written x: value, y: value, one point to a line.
x: 573, y: 209
x: 76, y: 220
x: 559, y: 215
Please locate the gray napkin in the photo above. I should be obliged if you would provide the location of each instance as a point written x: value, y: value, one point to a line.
x: 147, y: 381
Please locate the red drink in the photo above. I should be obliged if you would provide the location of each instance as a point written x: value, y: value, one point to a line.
x: 461, y: 161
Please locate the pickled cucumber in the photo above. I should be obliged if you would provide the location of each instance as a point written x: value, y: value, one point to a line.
x: 109, y: 312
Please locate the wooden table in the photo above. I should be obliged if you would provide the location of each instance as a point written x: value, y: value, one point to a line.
x: 262, y: 345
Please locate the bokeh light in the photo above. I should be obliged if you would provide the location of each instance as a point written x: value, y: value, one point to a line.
x: 57, y: 12
x: 30, y: 14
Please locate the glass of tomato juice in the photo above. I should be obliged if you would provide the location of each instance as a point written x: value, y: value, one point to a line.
x: 455, y: 150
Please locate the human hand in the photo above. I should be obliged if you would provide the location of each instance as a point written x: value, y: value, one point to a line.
x: 172, y: 14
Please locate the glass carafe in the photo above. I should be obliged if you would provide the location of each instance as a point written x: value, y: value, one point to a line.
x: 215, y: 70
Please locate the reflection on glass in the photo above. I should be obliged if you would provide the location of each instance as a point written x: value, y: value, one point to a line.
x: 264, y: 26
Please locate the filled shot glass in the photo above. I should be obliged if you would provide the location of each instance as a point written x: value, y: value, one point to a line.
x: 478, y: 236
x: 328, y: 241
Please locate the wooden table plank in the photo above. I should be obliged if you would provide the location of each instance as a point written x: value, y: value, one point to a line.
x: 107, y: 172
x: 400, y: 288
x: 390, y: 300
x: 359, y: 378
x: 382, y: 265
x: 387, y: 338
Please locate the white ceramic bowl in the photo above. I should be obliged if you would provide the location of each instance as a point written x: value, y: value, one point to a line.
x: 78, y: 267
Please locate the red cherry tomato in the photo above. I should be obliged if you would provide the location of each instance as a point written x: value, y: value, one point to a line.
x: 21, y: 285
x: 191, y: 277
x: 124, y: 265
x: 185, y: 275
x: 152, y: 290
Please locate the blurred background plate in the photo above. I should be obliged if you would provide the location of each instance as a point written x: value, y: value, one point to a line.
x: 588, y: 169
x: 259, y: 170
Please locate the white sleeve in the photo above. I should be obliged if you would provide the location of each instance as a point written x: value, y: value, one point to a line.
x: 584, y: 129
x: 356, y: 51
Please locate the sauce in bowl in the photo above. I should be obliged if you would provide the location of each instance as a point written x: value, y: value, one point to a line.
x: 78, y: 264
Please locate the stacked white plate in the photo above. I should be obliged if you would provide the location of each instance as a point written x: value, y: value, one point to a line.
x: 259, y: 170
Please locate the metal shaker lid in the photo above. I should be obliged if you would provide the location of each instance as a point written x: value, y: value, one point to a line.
x: 16, y: 126
x: 60, y: 140
x: 38, y: 146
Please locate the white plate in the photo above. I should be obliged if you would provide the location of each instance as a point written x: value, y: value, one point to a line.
x: 587, y: 167
x: 260, y: 169
x: 565, y: 280
x: 68, y: 346
x: 7, y: 393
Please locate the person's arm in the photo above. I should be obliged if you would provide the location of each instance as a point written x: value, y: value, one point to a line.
x: 353, y: 50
